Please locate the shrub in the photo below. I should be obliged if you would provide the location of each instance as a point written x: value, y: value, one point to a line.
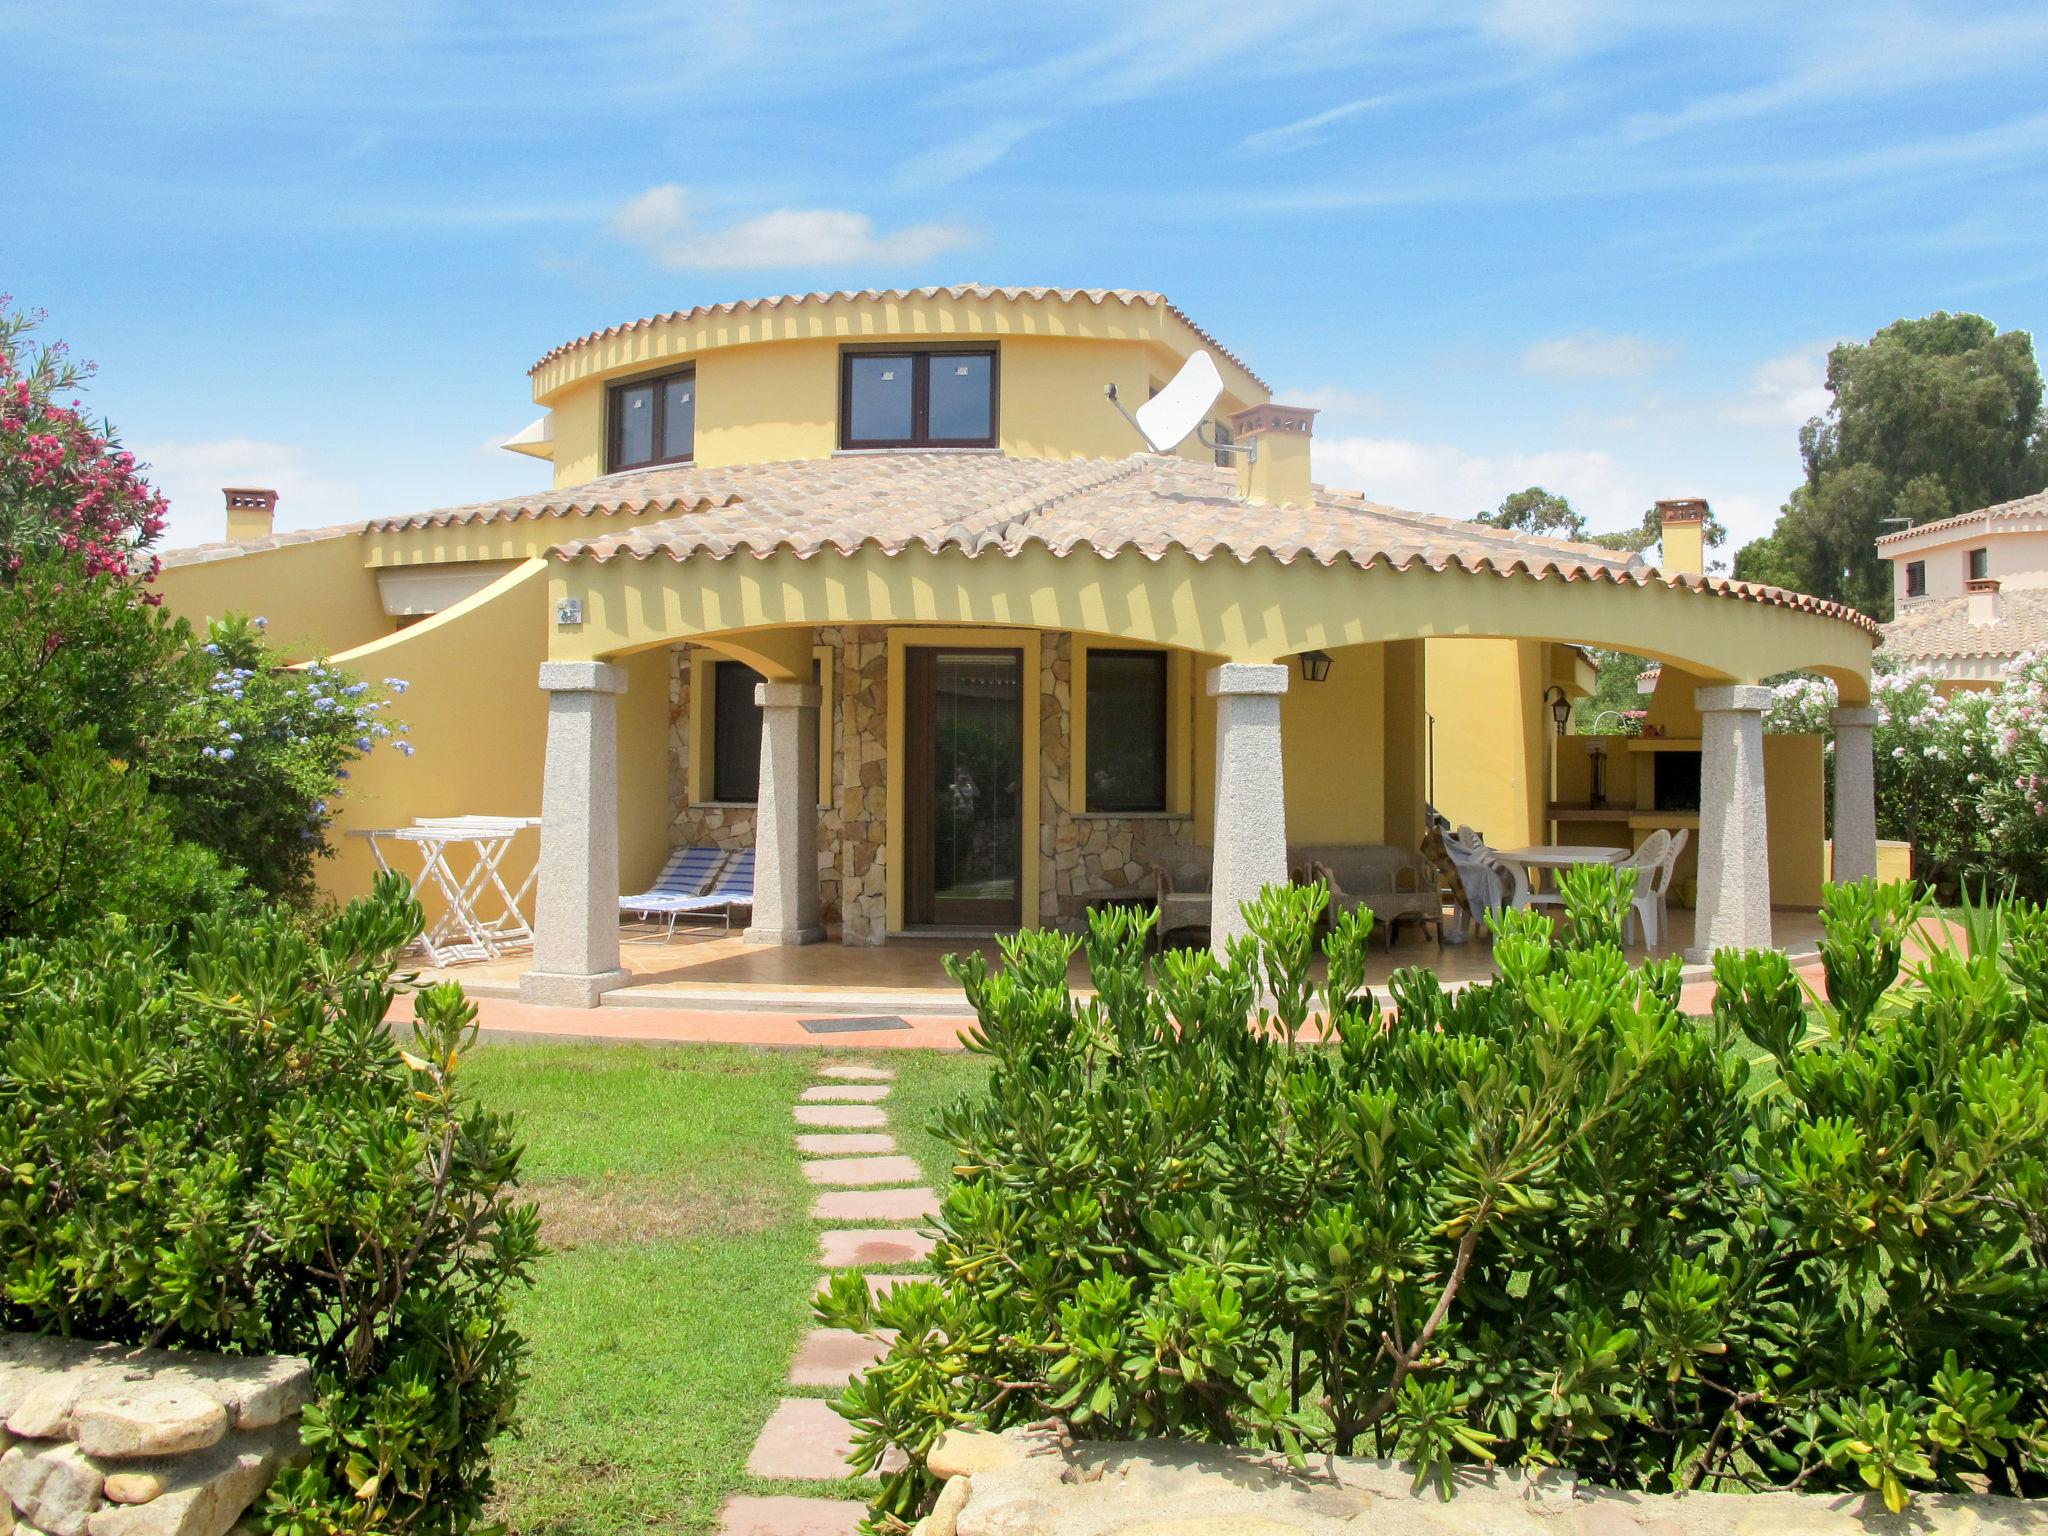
x: 231, y: 1152
x: 1547, y: 1219
x: 1964, y: 779
x: 256, y: 755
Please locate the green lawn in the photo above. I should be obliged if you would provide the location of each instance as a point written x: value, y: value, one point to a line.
x: 662, y: 1325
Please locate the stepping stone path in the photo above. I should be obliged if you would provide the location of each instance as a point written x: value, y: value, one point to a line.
x: 861, y: 1178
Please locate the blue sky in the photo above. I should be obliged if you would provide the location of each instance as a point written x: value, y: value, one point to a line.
x: 1598, y: 247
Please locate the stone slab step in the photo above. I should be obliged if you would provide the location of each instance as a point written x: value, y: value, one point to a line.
x: 747, y: 1514
x: 831, y: 1357
x: 841, y: 1117
x: 878, y: 1285
x: 845, y: 1093
x: 804, y: 1440
x: 854, y: 1072
x: 845, y: 1144
x: 918, y: 1204
x: 861, y: 1247
x: 861, y: 1172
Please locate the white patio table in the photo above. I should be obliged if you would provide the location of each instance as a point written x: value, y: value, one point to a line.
x: 1565, y: 856
x: 460, y: 931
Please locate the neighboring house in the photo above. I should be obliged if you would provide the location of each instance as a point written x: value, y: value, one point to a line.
x: 894, y: 557
x: 1969, y: 593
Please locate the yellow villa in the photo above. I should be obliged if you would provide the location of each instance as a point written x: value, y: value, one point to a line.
x: 881, y: 586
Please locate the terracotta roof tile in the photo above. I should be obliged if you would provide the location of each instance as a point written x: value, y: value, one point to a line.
x: 1942, y: 629
x: 228, y: 549
x: 1146, y: 503
x: 1137, y: 297
x: 2035, y: 505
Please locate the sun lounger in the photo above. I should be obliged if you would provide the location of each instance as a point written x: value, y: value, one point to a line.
x: 687, y: 874
x: 732, y: 886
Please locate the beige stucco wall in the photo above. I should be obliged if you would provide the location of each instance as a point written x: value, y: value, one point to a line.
x: 2016, y: 558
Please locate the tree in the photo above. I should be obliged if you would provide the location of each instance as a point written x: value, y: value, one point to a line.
x: 1930, y: 417
x: 1535, y: 510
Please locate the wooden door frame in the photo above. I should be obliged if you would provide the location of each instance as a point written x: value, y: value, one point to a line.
x: 902, y: 637
x: 920, y: 823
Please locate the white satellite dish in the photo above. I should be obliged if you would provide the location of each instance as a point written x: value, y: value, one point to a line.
x: 1168, y: 417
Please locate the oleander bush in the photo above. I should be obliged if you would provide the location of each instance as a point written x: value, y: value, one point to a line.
x: 218, y: 1144
x: 1963, y: 778
x: 1545, y: 1220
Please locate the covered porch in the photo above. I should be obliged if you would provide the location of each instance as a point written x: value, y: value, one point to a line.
x: 1294, y: 709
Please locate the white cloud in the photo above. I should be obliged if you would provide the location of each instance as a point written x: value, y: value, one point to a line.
x: 1451, y: 482
x: 1784, y: 390
x: 1595, y: 354
x: 192, y: 475
x: 945, y: 164
x: 659, y: 221
x: 1304, y: 131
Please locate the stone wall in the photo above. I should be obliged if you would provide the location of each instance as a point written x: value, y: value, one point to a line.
x: 1080, y: 854
x: 106, y: 1441
x: 853, y: 828
x: 1038, y: 1483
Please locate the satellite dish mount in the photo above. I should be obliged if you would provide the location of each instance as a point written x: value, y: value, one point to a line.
x: 1166, y: 420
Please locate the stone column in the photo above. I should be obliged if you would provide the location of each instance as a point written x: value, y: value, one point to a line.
x: 1250, y: 826
x: 1855, y: 794
x: 786, y: 817
x: 576, y: 910
x: 1735, y: 859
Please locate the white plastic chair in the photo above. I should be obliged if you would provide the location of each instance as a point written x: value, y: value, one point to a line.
x: 1653, y: 864
x: 1654, y: 887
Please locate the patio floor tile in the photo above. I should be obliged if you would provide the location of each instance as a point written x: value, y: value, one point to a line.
x: 850, y: 1144
x: 841, y: 1117
x: 852, y: 1072
x: 875, y: 1205
x: 856, y: 1172
x: 747, y: 1514
x: 848, y: 1248
x: 846, y: 1093
x: 831, y: 1357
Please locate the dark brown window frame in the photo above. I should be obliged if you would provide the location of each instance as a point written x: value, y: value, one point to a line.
x: 614, y: 424
x: 920, y: 396
x: 1916, y: 578
x: 1164, y: 662
x: 1970, y: 563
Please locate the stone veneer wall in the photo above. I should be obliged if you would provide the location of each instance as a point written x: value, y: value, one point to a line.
x: 853, y: 829
x: 1081, y: 854
x: 106, y: 1441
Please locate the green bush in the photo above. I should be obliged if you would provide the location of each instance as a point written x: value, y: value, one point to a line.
x: 229, y: 1151
x: 1543, y: 1220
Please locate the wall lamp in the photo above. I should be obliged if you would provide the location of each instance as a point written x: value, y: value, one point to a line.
x: 1560, y: 707
x: 1315, y: 666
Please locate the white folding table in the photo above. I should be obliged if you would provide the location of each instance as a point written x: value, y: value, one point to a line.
x: 462, y: 858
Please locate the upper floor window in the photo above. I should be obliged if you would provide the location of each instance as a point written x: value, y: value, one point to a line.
x: 1916, y: 578
x: 941, y: 398
x: 1220, y: 435
x: 1980, y: 564
x: 1126, y: 731
x: 654, y: 421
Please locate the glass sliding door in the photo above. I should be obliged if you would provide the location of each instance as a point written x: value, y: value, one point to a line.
x: 964, y: 786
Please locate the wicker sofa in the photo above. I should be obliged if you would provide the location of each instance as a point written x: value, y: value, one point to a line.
x: 1398, y: 884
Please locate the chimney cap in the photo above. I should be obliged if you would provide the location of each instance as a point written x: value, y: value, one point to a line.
x: 252, y: 498
x: 1682, y: 509
x: 1254, y: 421
x: 1981, y: 584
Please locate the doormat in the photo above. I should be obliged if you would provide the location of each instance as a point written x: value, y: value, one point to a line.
x: 851, y: 1026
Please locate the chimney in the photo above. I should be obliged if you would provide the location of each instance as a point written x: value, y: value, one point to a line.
x: 250, y: 512
x: 1983, y: 592
x: 1683, y: 528
x: 1275, y: 472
